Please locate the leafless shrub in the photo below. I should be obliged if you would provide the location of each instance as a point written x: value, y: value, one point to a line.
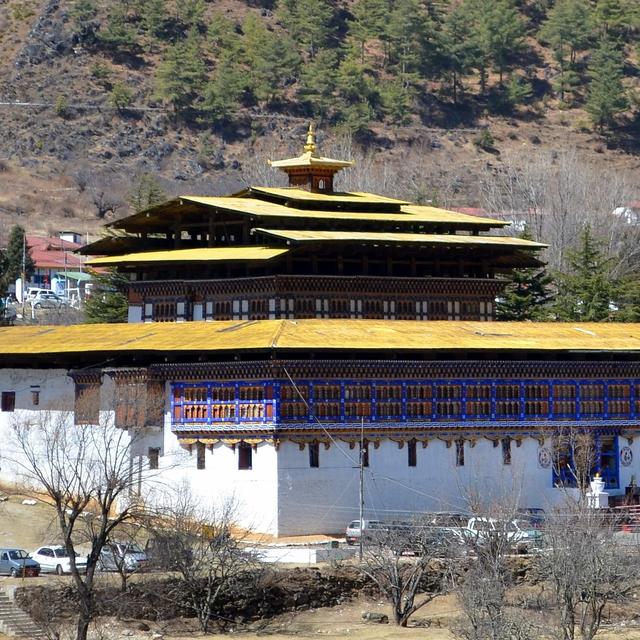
x: 402, y: 579
x: 483, y: 586
x: 587, y: 565
x: 204, y: 546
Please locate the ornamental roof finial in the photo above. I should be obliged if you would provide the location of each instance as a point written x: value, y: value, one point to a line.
x: 310, y: 145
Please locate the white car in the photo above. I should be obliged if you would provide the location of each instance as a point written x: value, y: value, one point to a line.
x: 55, y: 559
x: 518, y: 533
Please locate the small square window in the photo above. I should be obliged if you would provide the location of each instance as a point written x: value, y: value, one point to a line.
x: 35, y: 396
x: 314, y: 455
x: 459, y: 453
x: 245, y: 456
x: 8, y: 401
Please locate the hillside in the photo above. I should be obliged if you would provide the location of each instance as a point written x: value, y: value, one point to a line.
x: 90, y: 102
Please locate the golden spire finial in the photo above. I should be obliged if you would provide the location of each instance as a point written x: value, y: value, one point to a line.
x: 310, y: 145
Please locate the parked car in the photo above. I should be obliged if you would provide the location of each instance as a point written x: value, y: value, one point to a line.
x: 370, y: 527
x: 17, y: 562
x: 128, y: 553
x: 111, y: 560
x: 55, y: 559
x: 47, y: 300
x: 519, y: 533
x: 32, y: 292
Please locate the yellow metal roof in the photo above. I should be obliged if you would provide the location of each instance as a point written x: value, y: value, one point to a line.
x: 309, y: 159
x: 436, y: 214
x: 357, y: 197
x: 416, y: 215
x: 339, y: 335
x: 212, y: 254
x: 421, y: 238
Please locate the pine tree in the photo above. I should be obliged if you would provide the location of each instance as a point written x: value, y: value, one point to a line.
x: 146, y: 192
x: 181, y: 75
x: 309, y: 22
x: 118, y: 35
x: 369, y: 22
x: 407, y: 34
x: 191, y: 12
x: 612, y: 17
x: 107, y: 302
x: 13, y: 256
x: 457, y: 47
x: 587, y: 291
x: 607, y: 97
x: 153, y: 17
x: 318, y: 82
x: 121, y: 96
x: 222, y: 34
x: 226, y: 87
x: 82, y: 12
x: 271, y: 59
x: 498, y: 35
x: 567, y: 30
x: 396, y: 101
x: 527, y: 295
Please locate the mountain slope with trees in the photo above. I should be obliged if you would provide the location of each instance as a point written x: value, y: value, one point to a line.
x: 523, y: 106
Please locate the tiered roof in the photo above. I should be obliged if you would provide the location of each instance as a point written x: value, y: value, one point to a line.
x: 308, y: 211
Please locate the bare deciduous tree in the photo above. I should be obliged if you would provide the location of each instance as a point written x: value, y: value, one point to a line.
x: 204, y: 546
x: 556, y: 194
x: 86, y: 471
x: 587, y: 565
x: 399, y: 578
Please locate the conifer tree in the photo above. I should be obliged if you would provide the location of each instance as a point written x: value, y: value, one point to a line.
x: 146, y: 192
x: 318, y: 82
x: 153, y: 16
x: 498, y: 35
x: 567, y: 30
x: 369, y: 22
x: 107, y: 302
x: 271, y: 59
x: 457, y: 48
x: 222, y: 34
x: 528, y: 294
x: 396, y: 100
x: 607, y: 97
x: 407, y: 33
x: 611, y: 17
x: 181, y: 75
x: 13, y: 257
x: 309, y: 22
x: 191, y: 12
x: 82, y: 12
x: 119, y: 35
x: 226, y: 87
x: 587, y: 290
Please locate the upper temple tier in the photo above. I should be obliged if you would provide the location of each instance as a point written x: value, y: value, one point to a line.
x: 307, y: 251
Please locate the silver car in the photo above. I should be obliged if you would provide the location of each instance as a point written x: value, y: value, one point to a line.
x: 17, y: 562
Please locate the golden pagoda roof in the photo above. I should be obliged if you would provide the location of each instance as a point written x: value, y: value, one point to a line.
x: 309, y: 157
x: 352, y: 197
x: 230, y: 337
x: 393, y: 238
x: 207, y: 254
x: 161, y: 216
